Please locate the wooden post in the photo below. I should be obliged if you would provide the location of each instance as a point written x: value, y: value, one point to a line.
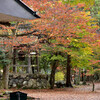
x: 14, y: 61
x: 29, y: 62
x: 37, y: 60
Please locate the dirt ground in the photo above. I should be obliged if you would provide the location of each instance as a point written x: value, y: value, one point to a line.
x: 77, y: 93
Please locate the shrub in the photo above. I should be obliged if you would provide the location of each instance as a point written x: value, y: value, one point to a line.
x: 59, y: 76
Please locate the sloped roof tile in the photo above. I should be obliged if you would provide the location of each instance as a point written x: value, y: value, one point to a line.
x: 15, y: 10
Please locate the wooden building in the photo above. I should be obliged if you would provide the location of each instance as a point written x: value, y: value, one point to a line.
x: 14, y: 10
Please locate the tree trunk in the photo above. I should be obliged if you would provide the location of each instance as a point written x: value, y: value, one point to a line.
x: 5, y: 77
x: 82, y: 76
x: 93, y: 85
x: 52, y: 76
x: 68, y: 72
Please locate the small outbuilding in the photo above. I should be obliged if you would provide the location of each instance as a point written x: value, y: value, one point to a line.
x: 14, y: 10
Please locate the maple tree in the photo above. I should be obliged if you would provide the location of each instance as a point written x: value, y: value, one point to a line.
x: 65, y: 29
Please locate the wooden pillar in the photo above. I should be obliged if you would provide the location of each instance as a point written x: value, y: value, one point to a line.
x: 29, y: 70
x: 37, y: 60
x: 14, y: 61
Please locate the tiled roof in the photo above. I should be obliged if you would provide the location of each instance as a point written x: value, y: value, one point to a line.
x: 15, y: 10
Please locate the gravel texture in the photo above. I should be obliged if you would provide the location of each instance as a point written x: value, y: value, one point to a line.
x: 78, y: 93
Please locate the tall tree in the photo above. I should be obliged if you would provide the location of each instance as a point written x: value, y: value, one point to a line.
x: 64, y: 28
x: 4, y: 61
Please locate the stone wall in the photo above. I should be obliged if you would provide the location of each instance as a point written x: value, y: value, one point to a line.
x: 33, y: 81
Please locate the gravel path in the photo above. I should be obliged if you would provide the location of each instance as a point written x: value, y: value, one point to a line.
x: 78, y: 93
x: 66, y: 96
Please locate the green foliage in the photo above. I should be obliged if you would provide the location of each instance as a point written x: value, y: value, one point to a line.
x: 95, y: 11
x: 59, y: 76
x: 58, y: 57
x: 3, y: 58
x: 45, y: 61
x: 88, y: 3
x: 81, y: 54
x: 47, y: 58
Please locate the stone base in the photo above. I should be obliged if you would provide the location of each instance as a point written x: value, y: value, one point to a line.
x: 28, y: 81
